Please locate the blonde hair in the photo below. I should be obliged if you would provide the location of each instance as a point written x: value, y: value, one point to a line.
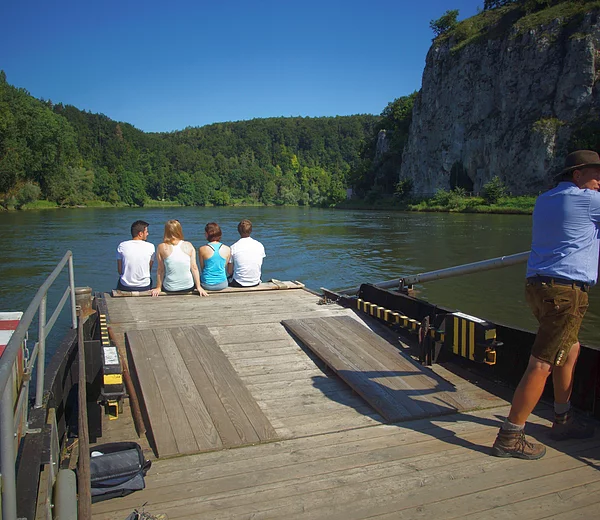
x: 172, y: 231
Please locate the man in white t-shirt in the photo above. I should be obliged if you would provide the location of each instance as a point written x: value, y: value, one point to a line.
x: 246, y: 258
x: 134, y: 260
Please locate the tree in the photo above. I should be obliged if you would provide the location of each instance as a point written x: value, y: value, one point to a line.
x: 221, y: 198
x: 444, y: 23
x: 54, y: 145
x: 492, y: 4
x: 131, y: 188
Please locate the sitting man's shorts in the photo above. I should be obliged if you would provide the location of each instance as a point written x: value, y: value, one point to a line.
x: 559, y: 310
x: 122, y: 287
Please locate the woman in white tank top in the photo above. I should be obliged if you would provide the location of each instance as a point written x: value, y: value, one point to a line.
x: 177, y: 266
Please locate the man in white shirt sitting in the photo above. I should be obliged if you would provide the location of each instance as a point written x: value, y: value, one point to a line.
x: 134, y: 260
x: 246, y: 258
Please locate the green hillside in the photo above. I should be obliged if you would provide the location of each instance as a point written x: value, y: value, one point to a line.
x: 62, y: 154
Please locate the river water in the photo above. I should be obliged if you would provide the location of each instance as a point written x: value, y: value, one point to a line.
x: 319, y: 247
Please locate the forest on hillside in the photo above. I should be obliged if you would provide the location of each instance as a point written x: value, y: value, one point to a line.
x: 62, y: 154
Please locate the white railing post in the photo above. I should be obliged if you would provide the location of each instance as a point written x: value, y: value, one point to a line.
x: 41, y: 360
x: 72, y: 286
x: 7, y: 453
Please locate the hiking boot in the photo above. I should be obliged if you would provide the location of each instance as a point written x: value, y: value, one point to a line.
x: 566, y: 426
x: 514, y: 444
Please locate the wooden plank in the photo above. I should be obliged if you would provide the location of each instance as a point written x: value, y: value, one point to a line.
x: 43, y: 511
x: 198, y: 417
x: 272, y: 285
x: 284, y: 375
x: 578, y: 513
x: 429, y: 390
x: 286, y: 359
x: 359, y: 350
x: 545, y: 492
x: 248, y: 405
x: 213, y: 320
x: 388, y: 373
x: 179, y: 426
x: 376, y: 395
x: 222, y: 420
x: 419, y: 380
x: 164, y: 441
x: 254, y: 369
x: 208, y: 403
x: 219, y: 371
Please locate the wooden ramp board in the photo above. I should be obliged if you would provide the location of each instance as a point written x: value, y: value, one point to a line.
x: 394, y: 385
x: 271, y: 285
x: 194, y: 399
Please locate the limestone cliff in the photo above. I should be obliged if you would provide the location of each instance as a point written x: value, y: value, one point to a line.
x: 503, y: 106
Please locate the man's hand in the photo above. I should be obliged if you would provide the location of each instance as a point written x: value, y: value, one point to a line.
x: 202, y: 292
x: 156, y: 291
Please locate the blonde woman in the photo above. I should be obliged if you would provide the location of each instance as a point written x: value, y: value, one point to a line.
x: 177, y: 266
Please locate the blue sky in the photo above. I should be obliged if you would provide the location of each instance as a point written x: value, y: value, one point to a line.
x: 166, y: 65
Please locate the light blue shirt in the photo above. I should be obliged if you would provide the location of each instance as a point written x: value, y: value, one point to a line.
x: 565, y: 234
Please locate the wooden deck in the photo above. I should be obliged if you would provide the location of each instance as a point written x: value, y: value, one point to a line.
x: 336, y: 457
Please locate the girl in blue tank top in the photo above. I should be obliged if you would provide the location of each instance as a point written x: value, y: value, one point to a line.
x: 214, y: 257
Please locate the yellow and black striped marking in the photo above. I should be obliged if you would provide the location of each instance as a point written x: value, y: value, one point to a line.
x: 395, y: 318
x: 472, y: 338
x: 104, y: 331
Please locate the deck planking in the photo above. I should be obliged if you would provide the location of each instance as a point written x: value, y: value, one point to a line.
x: 336, y: 457
x: 429, y: 468
x: 391, y: 382
x: 193, y: 397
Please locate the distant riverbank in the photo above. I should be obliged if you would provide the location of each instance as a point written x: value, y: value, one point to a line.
x: 443, y: 202
x: 448, y: 202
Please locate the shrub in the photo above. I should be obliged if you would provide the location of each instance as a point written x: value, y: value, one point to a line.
x: 494, y: 190
x: 29, y: 192
x: 454, y: 199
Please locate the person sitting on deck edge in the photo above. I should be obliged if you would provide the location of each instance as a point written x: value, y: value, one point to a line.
x: 562, y: 266
x: 177, y: 267
x: 134, y: 260
x: 213, y: 259
x: 246, y: 258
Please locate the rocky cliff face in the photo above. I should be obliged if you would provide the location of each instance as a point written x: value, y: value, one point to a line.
x: 504, y: 107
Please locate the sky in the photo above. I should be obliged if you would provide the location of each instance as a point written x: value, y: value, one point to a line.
x: 164, y: 66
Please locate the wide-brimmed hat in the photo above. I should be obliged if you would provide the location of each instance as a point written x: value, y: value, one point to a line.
x: 579, y: 159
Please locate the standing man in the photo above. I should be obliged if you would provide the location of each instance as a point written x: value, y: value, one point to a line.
x: 246, y: 258
x: 134, y: 260
x: 562, y: 266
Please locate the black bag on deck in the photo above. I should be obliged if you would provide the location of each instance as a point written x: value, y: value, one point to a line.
x: 118, y: 471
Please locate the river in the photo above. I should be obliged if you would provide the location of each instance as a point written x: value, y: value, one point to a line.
x: 320, y: 247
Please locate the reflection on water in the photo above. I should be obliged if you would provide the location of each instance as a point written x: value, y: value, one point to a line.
x: 322, y: 248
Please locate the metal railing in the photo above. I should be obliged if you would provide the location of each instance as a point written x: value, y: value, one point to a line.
x: 8, y: 419
x: 459, y: 270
